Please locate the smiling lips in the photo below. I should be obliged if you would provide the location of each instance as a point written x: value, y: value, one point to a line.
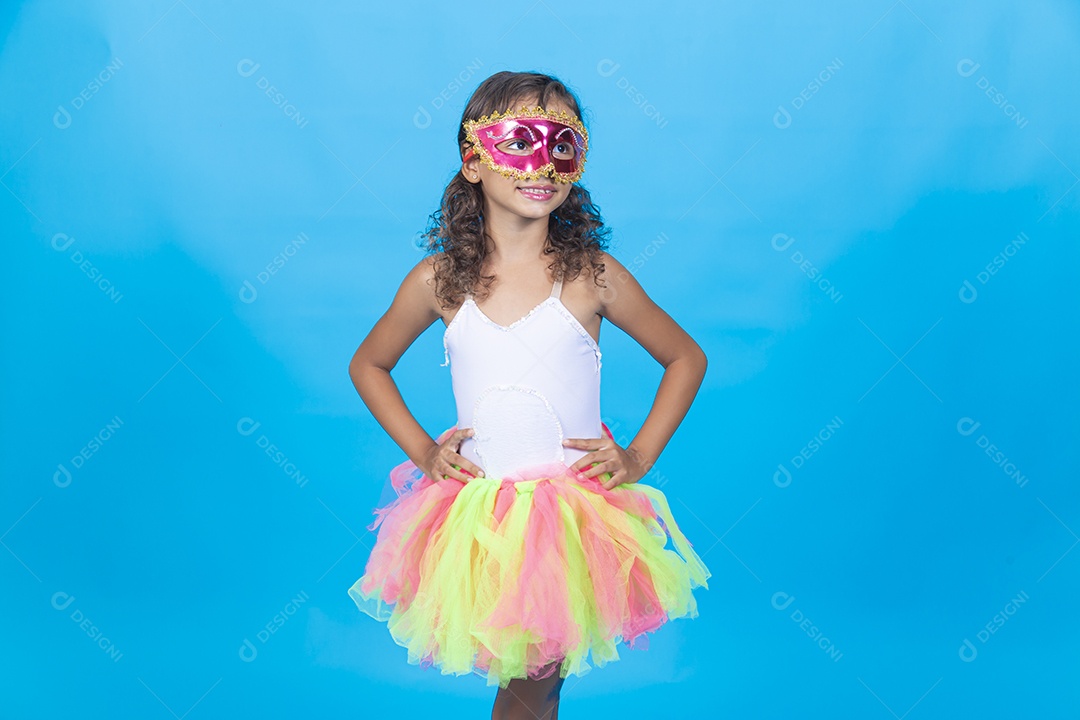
x: 538, y: 192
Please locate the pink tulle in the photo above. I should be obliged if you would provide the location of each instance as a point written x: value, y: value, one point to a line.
x: 614, y: 538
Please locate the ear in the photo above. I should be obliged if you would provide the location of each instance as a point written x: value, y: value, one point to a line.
x: 470, y: 168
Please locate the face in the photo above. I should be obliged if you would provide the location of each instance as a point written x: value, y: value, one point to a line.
x: 526, y: 159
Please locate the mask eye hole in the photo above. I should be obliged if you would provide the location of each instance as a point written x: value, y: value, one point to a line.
x: 516, y: 146
x: 563, y: 145
x: 563, y: 150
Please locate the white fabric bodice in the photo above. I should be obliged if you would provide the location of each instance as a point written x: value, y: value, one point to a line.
x: 523, y: 387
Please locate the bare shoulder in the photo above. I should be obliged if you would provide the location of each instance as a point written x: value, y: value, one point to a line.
x: 412, y: 310
x: 424, y: 270
x: 612, y: 266
x: 612, y: 294
x: 621, y: 291
x: 417, y: 291
x: 626, y: 305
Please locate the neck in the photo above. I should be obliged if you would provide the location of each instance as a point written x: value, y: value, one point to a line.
x: 514, y: 239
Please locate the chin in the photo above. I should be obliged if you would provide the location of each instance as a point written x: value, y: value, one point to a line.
x: 537, y: 213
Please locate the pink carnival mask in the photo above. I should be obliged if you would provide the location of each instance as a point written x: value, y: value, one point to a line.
x: 529, y: 144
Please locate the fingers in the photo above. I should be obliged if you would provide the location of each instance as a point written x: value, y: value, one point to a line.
x: 454, y: 441
x: 457, y: 472
x: 451, y: 469
x: 591, y: 445
x: 609, y: 474
x: 586, y: 443
x: 468, y: 467
x: 606, y: 473
x: 451, y: 464
x: 599, y: 468
x: 584, y: 462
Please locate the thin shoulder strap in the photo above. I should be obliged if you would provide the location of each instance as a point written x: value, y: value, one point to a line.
x: 556, y: 289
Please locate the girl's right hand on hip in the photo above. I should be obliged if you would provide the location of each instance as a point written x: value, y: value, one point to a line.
x: 445, y: 462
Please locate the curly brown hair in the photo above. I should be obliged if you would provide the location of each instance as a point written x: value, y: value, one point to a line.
x: 576, y: 232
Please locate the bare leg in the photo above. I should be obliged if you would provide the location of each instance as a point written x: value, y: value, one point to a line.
x: 529, y: 699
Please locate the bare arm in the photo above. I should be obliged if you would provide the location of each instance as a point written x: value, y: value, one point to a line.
x: 411, y: 312
x: 627, y: 306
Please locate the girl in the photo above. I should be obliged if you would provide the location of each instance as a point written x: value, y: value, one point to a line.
x: 520, y: 540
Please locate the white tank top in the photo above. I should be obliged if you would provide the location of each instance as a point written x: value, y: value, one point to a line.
x: 523, y: 387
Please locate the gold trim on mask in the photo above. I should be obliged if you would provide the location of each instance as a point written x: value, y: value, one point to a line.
x: 547, y: 170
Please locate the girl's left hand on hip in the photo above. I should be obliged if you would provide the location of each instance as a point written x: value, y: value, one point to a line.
x: 607, y: 456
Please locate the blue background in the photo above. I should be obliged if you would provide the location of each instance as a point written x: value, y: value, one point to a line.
x: 814, y: 193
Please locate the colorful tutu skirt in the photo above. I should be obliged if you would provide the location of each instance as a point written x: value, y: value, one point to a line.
x: 526, y: 575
